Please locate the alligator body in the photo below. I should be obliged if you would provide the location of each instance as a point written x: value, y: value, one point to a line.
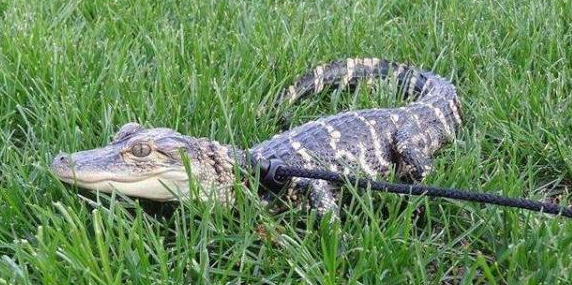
x: 145, y: 162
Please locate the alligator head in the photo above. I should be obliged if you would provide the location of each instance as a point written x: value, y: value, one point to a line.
x: 147, y: 163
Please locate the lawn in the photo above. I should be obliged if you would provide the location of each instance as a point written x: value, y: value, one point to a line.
x: 72, y: 72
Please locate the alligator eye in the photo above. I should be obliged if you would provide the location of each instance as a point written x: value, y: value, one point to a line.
x: 141, y: 150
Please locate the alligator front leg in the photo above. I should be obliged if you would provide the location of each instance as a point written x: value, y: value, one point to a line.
x: 322, y: 197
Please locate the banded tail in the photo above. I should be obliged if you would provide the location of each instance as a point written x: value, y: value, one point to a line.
x: 413, y: 83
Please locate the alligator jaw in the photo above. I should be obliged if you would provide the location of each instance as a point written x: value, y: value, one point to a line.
x: 162, y: 190
x: 160, y: 186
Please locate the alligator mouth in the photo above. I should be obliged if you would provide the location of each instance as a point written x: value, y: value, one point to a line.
x: 70, y: 176
x: 159, y: 187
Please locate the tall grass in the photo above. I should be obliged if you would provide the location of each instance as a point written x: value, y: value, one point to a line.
x: 71, y: 72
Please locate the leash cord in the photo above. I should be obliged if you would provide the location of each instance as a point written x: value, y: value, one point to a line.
x: 275, y: 174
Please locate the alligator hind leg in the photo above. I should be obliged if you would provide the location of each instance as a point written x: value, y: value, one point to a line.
x: 322, y: 198
x: 415, y: 164
x: 415, y: 161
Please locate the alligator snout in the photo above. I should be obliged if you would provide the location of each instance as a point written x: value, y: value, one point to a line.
x: 62, y: 164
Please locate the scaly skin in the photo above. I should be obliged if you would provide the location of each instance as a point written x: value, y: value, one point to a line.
x: 371, y: 141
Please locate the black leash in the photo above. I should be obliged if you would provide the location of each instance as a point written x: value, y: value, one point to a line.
x: 274, y: 174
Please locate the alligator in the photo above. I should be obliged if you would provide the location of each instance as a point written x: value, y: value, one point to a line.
x: 151, y: 162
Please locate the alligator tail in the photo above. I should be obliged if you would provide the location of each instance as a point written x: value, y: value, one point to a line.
x: 346, y: 74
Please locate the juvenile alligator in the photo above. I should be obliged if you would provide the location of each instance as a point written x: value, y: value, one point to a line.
x: 144, y: 162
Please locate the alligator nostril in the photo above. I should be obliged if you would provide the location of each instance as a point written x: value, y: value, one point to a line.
x: 62, y: 158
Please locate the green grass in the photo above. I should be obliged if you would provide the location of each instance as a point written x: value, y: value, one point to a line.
x: 72, y: 72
